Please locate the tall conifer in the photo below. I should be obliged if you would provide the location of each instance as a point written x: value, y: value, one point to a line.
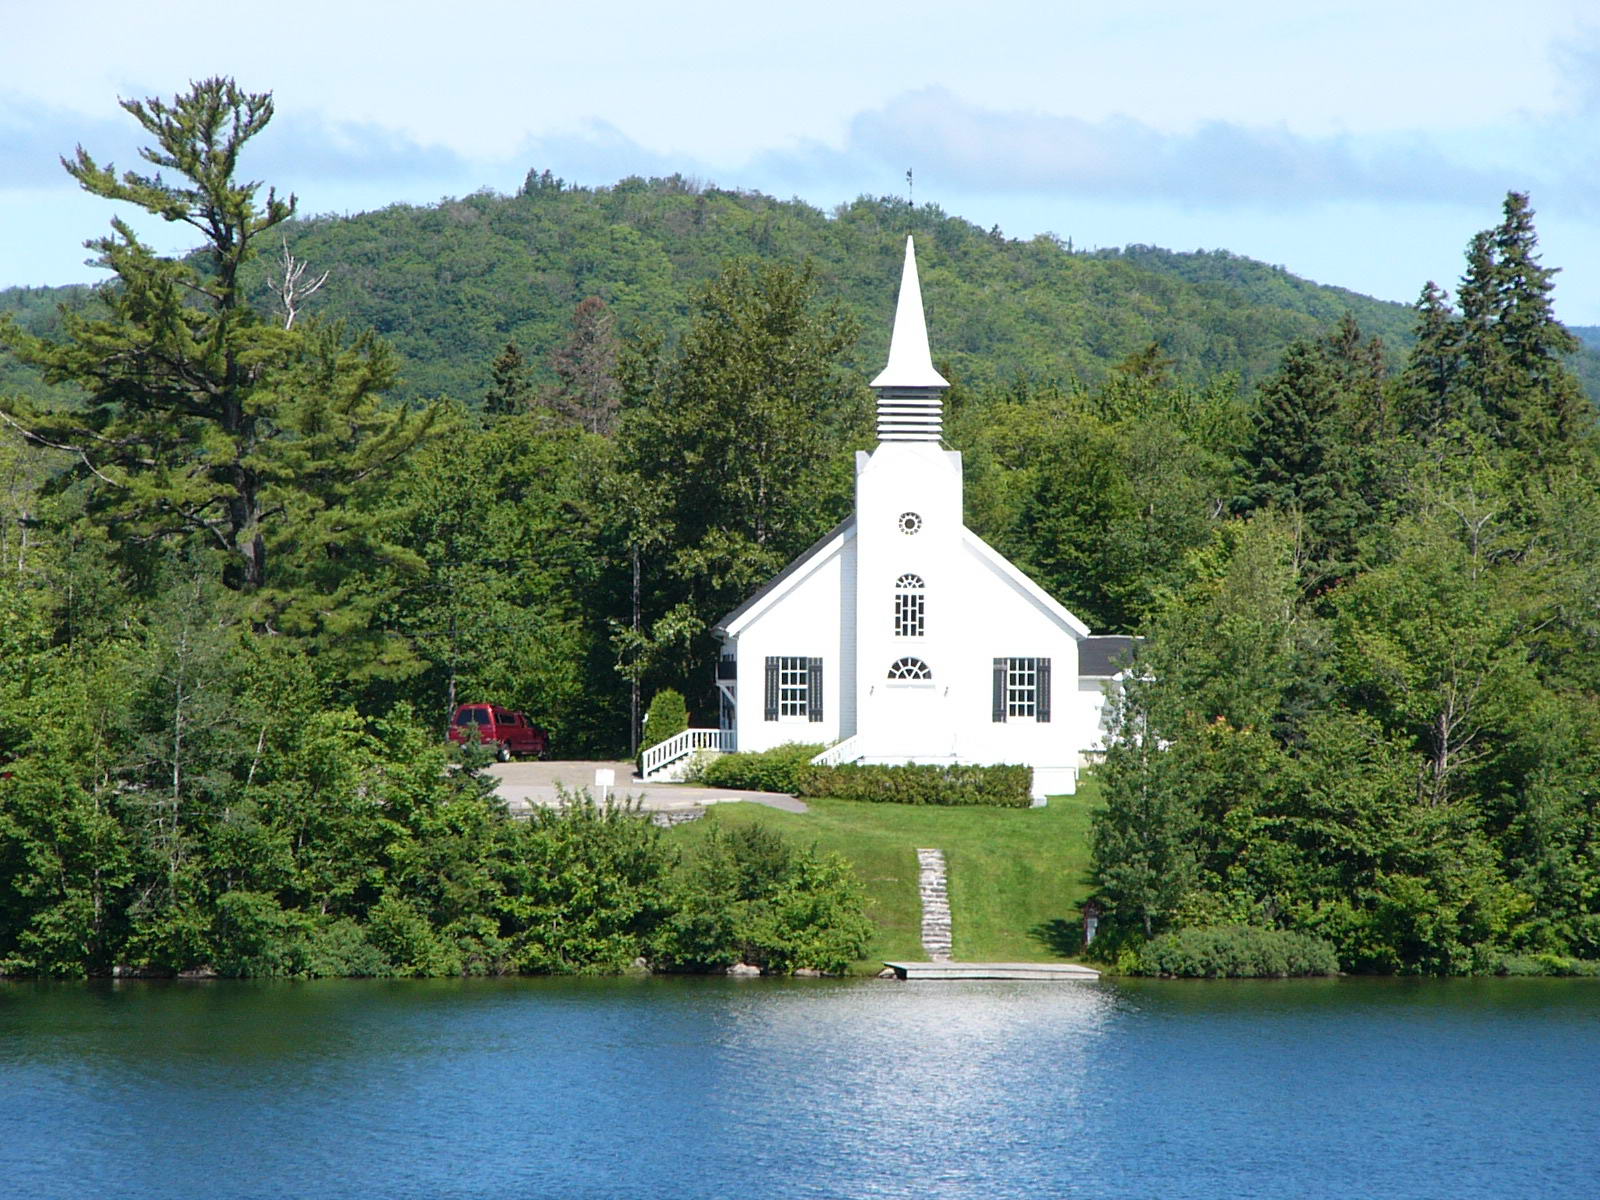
x: 1514, y: 351
x: 207, y: 423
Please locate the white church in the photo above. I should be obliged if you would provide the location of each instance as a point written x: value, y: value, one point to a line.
x: 901, y: 636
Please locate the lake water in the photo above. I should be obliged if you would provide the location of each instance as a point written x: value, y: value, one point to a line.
x: 729, y: 1088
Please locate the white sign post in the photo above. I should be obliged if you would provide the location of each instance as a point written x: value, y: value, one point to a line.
x: 605, y: 779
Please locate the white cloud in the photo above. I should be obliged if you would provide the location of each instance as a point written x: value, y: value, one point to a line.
x: 1216, y: 163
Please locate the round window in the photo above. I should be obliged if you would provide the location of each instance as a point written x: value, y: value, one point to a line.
x: 910, y: 522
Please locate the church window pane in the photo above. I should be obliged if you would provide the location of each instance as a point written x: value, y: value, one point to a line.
x: 910, y: 669
x: 908, y: 606
x: 1022, y: 687
x: 793, y: 686
x: 910, y: 522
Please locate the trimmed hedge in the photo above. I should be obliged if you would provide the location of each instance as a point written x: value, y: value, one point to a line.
x: 1003, y: 787
x: 775, y: 770
x: 1236, y: 952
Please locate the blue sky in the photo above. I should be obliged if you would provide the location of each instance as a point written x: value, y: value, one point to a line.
x: 1357, y: 142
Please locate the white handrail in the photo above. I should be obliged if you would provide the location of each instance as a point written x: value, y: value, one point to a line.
x: 843, y: 751
x: 681, y: 745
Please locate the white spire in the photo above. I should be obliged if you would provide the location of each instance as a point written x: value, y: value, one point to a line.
x: 910, y: 364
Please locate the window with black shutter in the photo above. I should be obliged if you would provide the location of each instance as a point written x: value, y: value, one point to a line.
x: 1022, y: 688
x: 794, y: 687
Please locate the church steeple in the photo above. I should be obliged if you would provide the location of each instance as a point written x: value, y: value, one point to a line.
x: 910, y: 405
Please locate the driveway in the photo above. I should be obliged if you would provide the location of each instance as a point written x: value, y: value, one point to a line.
x: 525, y: 784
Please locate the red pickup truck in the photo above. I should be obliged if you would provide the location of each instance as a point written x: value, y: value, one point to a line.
x: 511, y: 733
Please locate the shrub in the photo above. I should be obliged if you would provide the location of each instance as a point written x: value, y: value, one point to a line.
x: 585, y: 890
x: 1544, y: 964
x: 1004, y: 786
x: 775, y: 770
x: 667, y: 717
x: 1236, y: 952
x: 749, y: 895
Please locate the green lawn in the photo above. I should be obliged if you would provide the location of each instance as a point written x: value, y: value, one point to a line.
x: 1017, y: 876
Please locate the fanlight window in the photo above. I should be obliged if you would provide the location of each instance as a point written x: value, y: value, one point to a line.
x: 910, y: 669
x: 909, y: 606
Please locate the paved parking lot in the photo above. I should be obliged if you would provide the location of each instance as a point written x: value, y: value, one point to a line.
x: 525, y: 784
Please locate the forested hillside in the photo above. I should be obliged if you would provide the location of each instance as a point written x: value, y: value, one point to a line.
x: 448, y: 285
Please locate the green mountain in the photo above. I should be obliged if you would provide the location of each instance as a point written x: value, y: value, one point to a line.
x: 450, y: 284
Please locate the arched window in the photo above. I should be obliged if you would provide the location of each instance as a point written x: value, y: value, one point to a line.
x: 910, y: 670
x: 908, y: 606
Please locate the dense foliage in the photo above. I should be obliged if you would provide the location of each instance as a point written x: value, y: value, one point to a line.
x: 1367, y: 707
x: 748, y: 896
x: 240, y: 590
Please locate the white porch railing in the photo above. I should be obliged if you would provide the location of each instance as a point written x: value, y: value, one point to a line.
x: 662, y: 755
x: 839, y: 752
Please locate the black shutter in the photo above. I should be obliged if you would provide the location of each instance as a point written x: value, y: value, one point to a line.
x: 771, y: 712
x: 1042, y: 706
x: 1000, y: 665
x: 814, y: 689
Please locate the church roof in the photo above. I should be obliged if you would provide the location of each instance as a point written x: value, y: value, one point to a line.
x: 1106, y: 654
x: 910, y: 363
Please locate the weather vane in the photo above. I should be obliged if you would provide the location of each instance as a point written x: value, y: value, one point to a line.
x: 911, y: 191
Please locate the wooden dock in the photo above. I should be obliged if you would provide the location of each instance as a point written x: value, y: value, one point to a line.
x: 1044, y: 972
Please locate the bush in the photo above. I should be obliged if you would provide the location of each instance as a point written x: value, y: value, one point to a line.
x: 1544, y: 964
x: 749, y: 895
x: 1236, y: 952
x: 1004, y: 786
x: 585, y: 890
x: 667, y: 717
x: 775, y: 770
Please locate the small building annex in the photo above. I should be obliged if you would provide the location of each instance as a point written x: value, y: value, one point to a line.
x: 901, y: 636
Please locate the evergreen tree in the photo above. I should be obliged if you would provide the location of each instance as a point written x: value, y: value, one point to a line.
x: 205, y: 422
x: 510, y: 385
x: 1429, y: 392
x: 1514, y: 351
x: 1310, y: 452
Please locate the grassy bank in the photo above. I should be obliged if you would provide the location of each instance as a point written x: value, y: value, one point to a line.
x: 1017, y: 876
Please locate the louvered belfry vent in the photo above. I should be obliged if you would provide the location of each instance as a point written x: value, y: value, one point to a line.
x: 910, y: 415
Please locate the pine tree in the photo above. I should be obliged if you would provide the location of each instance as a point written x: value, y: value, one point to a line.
x: 1429, y: 392
x: 1319, y: 422
x: 1514, y: 351
x: 510, y: 384
x: 206, y: 423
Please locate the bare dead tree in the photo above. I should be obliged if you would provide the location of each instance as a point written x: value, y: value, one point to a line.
x: 289, y: 288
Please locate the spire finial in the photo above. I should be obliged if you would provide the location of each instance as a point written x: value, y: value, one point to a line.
x: 910, y: 364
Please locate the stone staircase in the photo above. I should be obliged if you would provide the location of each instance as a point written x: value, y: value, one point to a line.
x: 935, y: 905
